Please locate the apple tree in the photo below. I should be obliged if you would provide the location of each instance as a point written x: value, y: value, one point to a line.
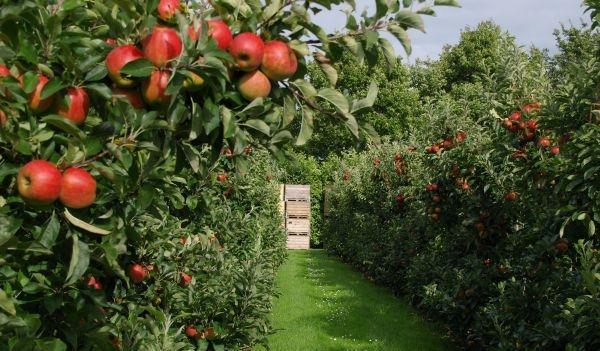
x: 119, y: 115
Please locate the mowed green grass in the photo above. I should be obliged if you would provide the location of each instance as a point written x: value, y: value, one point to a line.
x: 326, y: 306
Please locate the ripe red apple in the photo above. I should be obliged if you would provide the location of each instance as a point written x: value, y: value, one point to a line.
x: 555, y: 150
x: 536, y: 106
x: 133, y: 96
x: 279, y: 60
x: 162, y: 46
x: 511, y: 196
x: 94, y: 283
x: 217, y: 29
x: 532, y: 124
x: 111, y: 41
x: 191, y: 331
x: 154, y: 87
x: 35, y: 102
x: 117, y: 59
x: 167, y: 9
x: 460, y: 137
x: 4, y: 71
x: 544, y: 142
x: 137, y: 273
x: 75, y: 105
x: 400, y: 199
x: 39, y: 182
x: 247, y: 50
x: 78, y: 188
x: 515, y: 116
x: 528, y: 135
x: 222, y: 177
x: 434, y: 149
x: 253, y: 85
x: 432, y: 187
x: 185, y: 279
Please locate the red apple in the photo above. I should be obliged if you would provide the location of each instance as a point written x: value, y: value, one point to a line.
x: 167, y: 9
x: 253, y: 85
x: 39, y: 182
x: 247, y: 50
x: 532, y: 124
x: 3, y: 119
x: 185, y: 279
x: 536, y: 106
x: 137, y: 273
x: 515, y: 116
x: 191, y: 331
x: 111, y: 41
x: 555, y: 150
x: 78, y: 188
x: 222, y: 177
x: 35, y: 102
x: 4, y: 71
x: 460, y: 137
x: 154, y: 87
x: 94, y: 283
x: 133, y: 96
x: 544, y: 142
x: 217, y: 29
x: 511, y: 196
x: 220, y: 32
x: 75, y: 105
x: 119, y: 57
x: 162, y: 46
x: 279, y: 60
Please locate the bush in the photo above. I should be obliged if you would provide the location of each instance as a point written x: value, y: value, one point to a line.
x: 481, y: 233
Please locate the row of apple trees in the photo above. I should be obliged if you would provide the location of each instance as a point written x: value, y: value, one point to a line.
x: 130, y: 161
x: 486, y: 213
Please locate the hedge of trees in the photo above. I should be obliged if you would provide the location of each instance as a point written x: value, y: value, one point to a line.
x: 485, y: 211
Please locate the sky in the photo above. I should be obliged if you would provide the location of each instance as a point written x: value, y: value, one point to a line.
x: 530, y: 21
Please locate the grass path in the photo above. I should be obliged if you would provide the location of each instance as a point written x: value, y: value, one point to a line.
x: 326, y: 306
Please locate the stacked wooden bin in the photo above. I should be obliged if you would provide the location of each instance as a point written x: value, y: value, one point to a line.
x: 297, y: 215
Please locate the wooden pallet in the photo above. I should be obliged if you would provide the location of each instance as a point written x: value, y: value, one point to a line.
x: 296, y: 209
x: 297, y: 193
x: 298, y: 242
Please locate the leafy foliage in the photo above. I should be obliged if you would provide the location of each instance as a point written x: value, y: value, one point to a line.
x: 494, y: 232
x: 173, y: 192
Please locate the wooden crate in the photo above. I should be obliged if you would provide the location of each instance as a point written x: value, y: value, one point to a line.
x: 295, y: 225
x: 296, y: 215
x: 298, y: 242
x: 297, y: 209
x: 297, y: 193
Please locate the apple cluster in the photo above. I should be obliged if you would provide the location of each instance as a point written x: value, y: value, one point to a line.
x: 41, y: 183
x: 260, y: 62
x: 73, y: 106
x: 528, y: 129
x: 447, y: 144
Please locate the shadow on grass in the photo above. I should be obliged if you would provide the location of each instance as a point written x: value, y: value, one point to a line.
x: 343, y: 311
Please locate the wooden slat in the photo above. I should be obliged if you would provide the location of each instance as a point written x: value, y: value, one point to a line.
x: 297, y: 192
x: 297, y: 209
x: 298, y: 242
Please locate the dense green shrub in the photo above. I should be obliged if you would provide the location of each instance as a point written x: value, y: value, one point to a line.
x: 494, y: 236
